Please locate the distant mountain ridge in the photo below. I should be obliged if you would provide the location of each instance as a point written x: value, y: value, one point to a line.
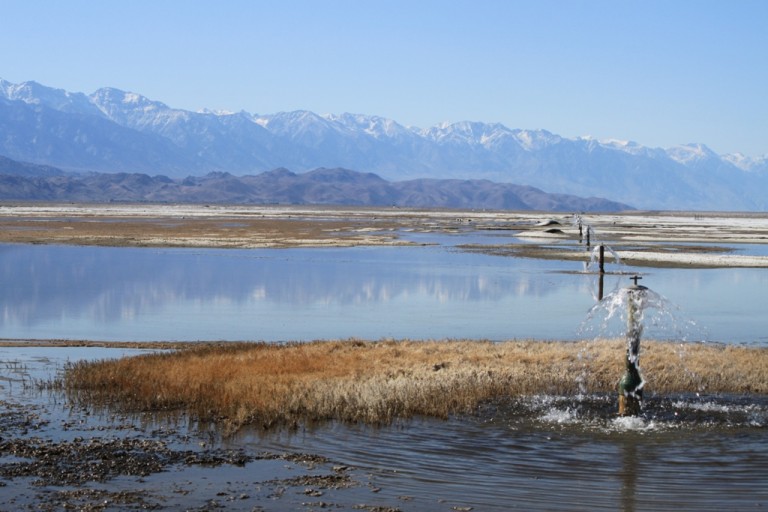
x: 281, y: 186
x: 117, y: 131
x: 8, y: 166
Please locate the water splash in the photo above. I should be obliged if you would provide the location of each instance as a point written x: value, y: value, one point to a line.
x: 565, y: 416
x: 594, y: 246
x: 593, y: 265
x: 594, y: 412
x: 577, y: 222
x: 635, y: 308
x: 633, y: 423
x: 660, y: 318
x: 585, y: 230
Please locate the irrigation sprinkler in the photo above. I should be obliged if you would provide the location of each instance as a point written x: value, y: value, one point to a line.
x: 631, y: 384
x: 602, y: 259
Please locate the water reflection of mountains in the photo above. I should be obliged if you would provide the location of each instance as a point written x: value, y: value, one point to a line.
x: 105, y: 284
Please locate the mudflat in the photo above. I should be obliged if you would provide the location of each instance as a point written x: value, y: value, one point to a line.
x: 640, y: 238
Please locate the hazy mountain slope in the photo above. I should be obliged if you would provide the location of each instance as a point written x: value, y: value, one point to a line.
x: 8, y: 166
x: 76, y: 142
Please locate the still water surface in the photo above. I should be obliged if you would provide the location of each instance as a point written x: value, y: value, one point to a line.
x: 123, y: 294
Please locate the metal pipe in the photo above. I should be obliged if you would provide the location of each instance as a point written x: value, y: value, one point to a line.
x: 600, y: 286
x: 602, y: 259
x: 631, y: 384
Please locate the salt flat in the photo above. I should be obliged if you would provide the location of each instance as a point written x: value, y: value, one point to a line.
x: 641, y: 237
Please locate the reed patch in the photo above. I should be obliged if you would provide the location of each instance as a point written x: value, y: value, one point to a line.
x: 377, y: 382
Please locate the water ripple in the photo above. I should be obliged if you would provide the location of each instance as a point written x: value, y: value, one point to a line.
x: 561, y: 453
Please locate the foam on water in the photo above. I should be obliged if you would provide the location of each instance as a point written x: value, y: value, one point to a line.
x: 636, y: 423
x: 705, y: 406
x: 732, y: 413
x: 597, y: 413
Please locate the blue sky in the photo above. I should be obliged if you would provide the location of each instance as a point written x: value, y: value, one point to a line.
x: 660, y: 73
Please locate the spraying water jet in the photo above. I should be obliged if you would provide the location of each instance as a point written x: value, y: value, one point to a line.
x: 631, y: 384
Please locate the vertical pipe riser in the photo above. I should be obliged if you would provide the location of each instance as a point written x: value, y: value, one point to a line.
x: 631, y: 384
x: 602, y: 259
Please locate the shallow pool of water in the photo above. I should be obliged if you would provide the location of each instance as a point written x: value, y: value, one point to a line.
x: 123, y: 294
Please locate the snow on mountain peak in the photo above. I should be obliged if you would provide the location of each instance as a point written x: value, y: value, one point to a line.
x: 687, y: 154
x: 739, y: 160
x: 626, y: 146
x: 533, y: 140
x: 216, y: 112
x: 34, y: 93
x: 297, y: 124
x: 262, y: 121
x: 618, y: 143
x: 746, y: 163
x: 132, y: 97
x: 375, y: 126
x: 465, y: 132
x: 109, y: 96
x: 134, y: 110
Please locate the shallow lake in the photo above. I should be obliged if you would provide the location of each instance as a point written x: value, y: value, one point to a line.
x: 144, y: 294
x: 686, y: 452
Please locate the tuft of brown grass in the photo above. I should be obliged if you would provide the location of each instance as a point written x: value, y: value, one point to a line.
x: 263, y: 384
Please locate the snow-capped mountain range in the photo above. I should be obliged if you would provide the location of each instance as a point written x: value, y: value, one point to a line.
x: 117, y: 131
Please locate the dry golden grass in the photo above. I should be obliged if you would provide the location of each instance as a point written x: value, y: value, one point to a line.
x: 376, y: 382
